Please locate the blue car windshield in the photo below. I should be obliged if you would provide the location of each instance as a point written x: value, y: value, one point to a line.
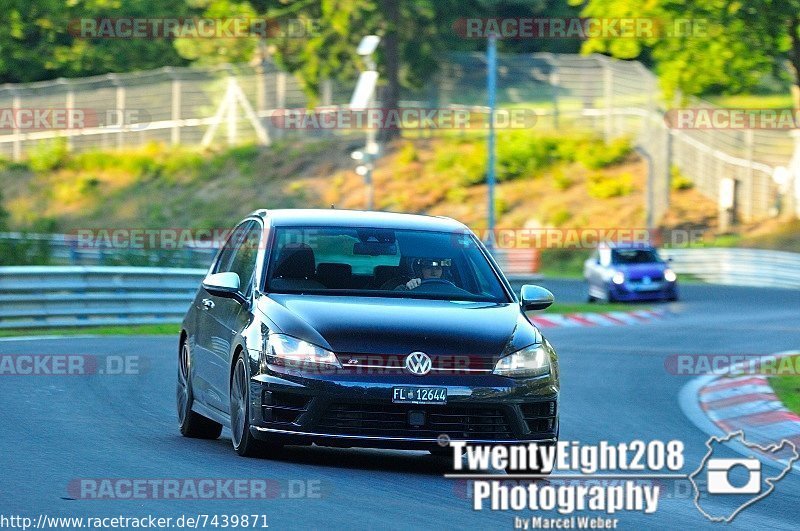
x: 634, y: 256
x: 381, y: 262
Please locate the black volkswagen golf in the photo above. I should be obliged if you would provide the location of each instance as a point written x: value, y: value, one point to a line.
x: 371, y: 329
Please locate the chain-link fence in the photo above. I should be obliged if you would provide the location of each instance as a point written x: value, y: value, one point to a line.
x: 236, y: 104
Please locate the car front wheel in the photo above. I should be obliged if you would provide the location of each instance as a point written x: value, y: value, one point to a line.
x: 243, y: 441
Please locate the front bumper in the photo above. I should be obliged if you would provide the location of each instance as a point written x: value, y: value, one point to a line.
x: 632, y: 292
x: 351, y: 410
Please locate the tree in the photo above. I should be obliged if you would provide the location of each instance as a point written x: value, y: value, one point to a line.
x: 711, y: 46
x: 40, y: 39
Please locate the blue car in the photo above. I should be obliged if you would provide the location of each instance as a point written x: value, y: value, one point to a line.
x: 623, y: 274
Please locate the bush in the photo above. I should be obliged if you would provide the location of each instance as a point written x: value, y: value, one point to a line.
x: 561, y: 180
x: 596, y: 155
x: 603, y: 186
x: 559, y: 217
x: 48, y: 156
x: 407, y: 154
x: 521, y: 154
x: 678, y: 181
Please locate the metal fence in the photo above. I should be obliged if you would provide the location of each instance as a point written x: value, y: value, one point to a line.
x: 45, y: 296
x: 66, y: 249
x: 233, y: 104
x: 740, y: 267
x: 33, y: 297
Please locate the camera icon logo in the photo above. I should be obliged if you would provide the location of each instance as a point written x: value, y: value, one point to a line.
x: 720, y: 472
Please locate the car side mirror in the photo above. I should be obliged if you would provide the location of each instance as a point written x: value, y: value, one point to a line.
x: 535, y: 298
x: 223, y: 285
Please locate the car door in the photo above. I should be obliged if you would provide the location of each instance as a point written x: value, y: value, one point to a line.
x: 210, y: 336
x: 228, y: 313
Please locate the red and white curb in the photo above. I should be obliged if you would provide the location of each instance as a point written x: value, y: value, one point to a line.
x: 556, y: 320
x: 723, y: 404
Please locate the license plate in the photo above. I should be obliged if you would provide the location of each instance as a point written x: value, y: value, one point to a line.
x: 419, y: 395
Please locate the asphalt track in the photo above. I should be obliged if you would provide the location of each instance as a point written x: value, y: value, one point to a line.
x: 56, y: 429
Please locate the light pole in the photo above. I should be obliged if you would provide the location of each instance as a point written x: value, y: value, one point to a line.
x: 364, y: 98
x: 491, y: 86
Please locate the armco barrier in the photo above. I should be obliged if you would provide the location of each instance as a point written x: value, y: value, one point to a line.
x: 42, y: 296
x: 741, y: 267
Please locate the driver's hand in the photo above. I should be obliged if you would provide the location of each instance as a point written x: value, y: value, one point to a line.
x: 413, y: 283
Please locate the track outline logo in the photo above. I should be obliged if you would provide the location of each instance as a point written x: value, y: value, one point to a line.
x: 769, y: 481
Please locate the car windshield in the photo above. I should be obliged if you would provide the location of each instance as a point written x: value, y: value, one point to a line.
x: 381, y: 262
x: 634, y: 256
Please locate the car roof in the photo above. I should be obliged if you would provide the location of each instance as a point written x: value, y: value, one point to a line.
x: 311, y: 217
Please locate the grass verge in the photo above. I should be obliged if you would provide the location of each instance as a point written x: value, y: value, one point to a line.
x: 122, y: 330
x: 586, y: 307
x: 787, y: 387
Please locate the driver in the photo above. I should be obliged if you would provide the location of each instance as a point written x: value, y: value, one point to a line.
x: 427, y: 269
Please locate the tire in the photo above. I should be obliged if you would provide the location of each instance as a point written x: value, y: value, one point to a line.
x: 191, y: 423
x: 243, y: 441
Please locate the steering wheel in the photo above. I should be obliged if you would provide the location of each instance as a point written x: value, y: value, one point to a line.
x: 437, y: 281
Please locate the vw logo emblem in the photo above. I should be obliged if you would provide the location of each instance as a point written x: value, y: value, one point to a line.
x: 418, y: 363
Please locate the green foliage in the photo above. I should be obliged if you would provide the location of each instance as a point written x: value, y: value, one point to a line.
x: 49, y: 155
x: 596, y: 155
x: 561, y: 180
x: 520, y: 154
x: 559, y: 217
x: 603, y: 186
x: 466, y: 166
x: 678, y: 181
x: 41, y: 39
x: 705, y: 47
x: 407, y: 154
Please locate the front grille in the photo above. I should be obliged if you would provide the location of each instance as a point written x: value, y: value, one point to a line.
x: 540, y: 416
x: 395, y: 363
x: 392, y: 420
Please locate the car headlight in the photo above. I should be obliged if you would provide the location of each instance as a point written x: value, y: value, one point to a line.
x: 292, y: 352
x: 670, y: 276
x: 618, y: 278
x: 525, y: 363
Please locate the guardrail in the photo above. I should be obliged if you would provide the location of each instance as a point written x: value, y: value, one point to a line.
x: 741, y: 267
x: 70, y: 296
x: 43, y: 296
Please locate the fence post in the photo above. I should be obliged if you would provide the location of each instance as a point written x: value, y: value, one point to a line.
x: 326, y: 92
x: 608, y: 96
x: 120, y: 104
x: 70, y: 106
x: 231, y: 114
x: 667, y: 166
x: 175, y: 116
x: 749, y: 204
x: 280, y: 97
x: 16, y: 104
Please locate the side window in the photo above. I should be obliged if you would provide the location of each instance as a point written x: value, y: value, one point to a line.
x: 229, y: 248
x: 244, y: 260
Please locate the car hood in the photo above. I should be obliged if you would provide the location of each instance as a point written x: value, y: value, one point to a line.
x: 372, y: 325
x: 638, y: 271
